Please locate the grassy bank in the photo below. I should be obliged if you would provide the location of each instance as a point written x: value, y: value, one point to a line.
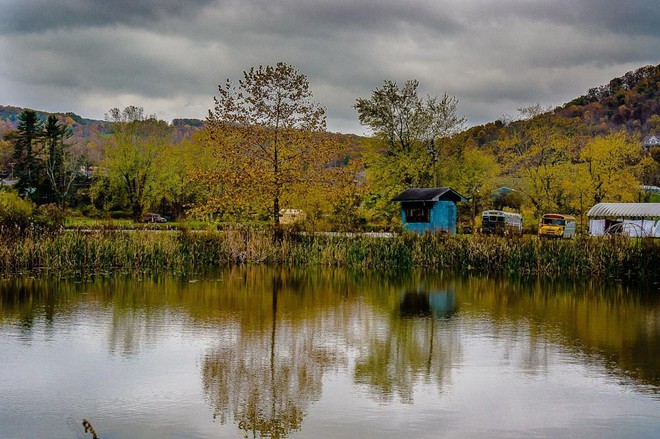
x: 139, y: 251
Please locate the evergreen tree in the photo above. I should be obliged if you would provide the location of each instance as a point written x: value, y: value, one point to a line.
x: 26, y: 142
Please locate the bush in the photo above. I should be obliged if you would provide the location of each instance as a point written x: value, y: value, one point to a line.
x: 15, y: 213
x: 19, y: 216
x: 48, y: 218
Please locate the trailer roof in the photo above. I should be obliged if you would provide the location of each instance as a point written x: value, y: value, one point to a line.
x: 625, y: 210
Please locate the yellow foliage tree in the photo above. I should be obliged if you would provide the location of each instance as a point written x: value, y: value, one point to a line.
x: 539, y: 163
x: 268, y: 142
x: 473, y: 173
x: 612, y: 163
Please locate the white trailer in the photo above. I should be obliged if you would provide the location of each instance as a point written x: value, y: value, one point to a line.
x: 632, y: 219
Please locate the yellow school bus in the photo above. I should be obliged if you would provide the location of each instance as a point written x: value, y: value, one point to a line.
x: 556, y: 225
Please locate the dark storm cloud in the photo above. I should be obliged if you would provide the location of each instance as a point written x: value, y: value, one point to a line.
x: 632, y: 17
x: 38, y: 15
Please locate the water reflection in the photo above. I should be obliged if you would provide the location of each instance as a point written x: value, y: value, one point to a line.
x: 439, y: 304
x: 265, y: 376
x: 274, y: 335
x: 406, y: 345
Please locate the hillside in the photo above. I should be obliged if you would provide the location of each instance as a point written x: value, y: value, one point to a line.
x: 630, y: 102
x: 89, y: 132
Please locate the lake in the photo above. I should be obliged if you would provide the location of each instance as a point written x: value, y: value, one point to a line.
x: 316, y: 353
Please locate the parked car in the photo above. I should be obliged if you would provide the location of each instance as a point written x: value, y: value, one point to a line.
x: 153, y: 218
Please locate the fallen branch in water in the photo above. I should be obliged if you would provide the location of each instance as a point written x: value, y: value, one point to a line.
x: 89, y: 429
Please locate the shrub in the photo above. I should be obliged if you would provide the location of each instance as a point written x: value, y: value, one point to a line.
x: 15, y: 213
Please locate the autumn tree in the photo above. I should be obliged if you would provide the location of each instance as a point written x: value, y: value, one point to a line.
x: 538, y: 161
x: 336, y: 205
x: 473, y: 173
x: 612, y: 164
x: 133, y: 153
x: 268, y: 138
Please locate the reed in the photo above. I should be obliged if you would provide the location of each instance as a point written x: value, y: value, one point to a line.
x: 184, y: 251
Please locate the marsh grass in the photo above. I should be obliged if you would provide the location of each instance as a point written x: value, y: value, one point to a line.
x: 193, y: 251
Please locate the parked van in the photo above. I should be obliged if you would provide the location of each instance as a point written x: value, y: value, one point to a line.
x: 555, y: 225
x: 498, y: 222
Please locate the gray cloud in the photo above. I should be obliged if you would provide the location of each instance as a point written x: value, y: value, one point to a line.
x: 23, y: 16
x: 169, y: 56
x: 632, y: 17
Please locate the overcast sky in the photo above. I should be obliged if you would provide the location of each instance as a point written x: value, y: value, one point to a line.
x: 168, y: 56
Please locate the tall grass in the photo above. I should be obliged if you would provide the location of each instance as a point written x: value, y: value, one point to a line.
x: 182, y: 251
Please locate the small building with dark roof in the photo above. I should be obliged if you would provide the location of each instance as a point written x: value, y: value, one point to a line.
x: 429, y: 209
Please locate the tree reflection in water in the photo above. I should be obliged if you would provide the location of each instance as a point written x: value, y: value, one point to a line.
x: 264, y: 377
x: 410, y: 345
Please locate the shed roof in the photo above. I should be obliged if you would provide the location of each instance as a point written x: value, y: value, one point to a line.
x: 625, y: 210
x: 430, y: 194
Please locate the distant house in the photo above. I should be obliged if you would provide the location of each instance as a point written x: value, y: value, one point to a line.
x: 429, y: 209
x: 651, y: 142
x: 632, y: 219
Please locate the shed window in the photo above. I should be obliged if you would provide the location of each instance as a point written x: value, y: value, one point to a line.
x: 418, y: 215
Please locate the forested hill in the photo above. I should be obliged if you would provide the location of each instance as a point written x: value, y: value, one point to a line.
x: 630, y: 102
x: 83, y: 129
x: 88, y: 130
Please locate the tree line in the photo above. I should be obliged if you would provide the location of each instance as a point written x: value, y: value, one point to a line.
x: 265, y: 148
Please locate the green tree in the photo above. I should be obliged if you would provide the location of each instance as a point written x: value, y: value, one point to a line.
x: 268, y: 138
x: 15, y: 213
x: 27, y: 164
x: 473, y: 173
x: 410, y: 127
x: 409, y: 130
x: 178, y: 190
x: 61, y: 166
x: 6, y: 156
x: 133, y: 153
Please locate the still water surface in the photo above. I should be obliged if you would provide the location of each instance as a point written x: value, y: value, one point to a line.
x: 250, y: 352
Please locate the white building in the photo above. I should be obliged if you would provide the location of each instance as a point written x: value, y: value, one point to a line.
x: 651, y: 142
x: 632, y: 219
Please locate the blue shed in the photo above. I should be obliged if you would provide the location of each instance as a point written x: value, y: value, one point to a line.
x: 429, y: 209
